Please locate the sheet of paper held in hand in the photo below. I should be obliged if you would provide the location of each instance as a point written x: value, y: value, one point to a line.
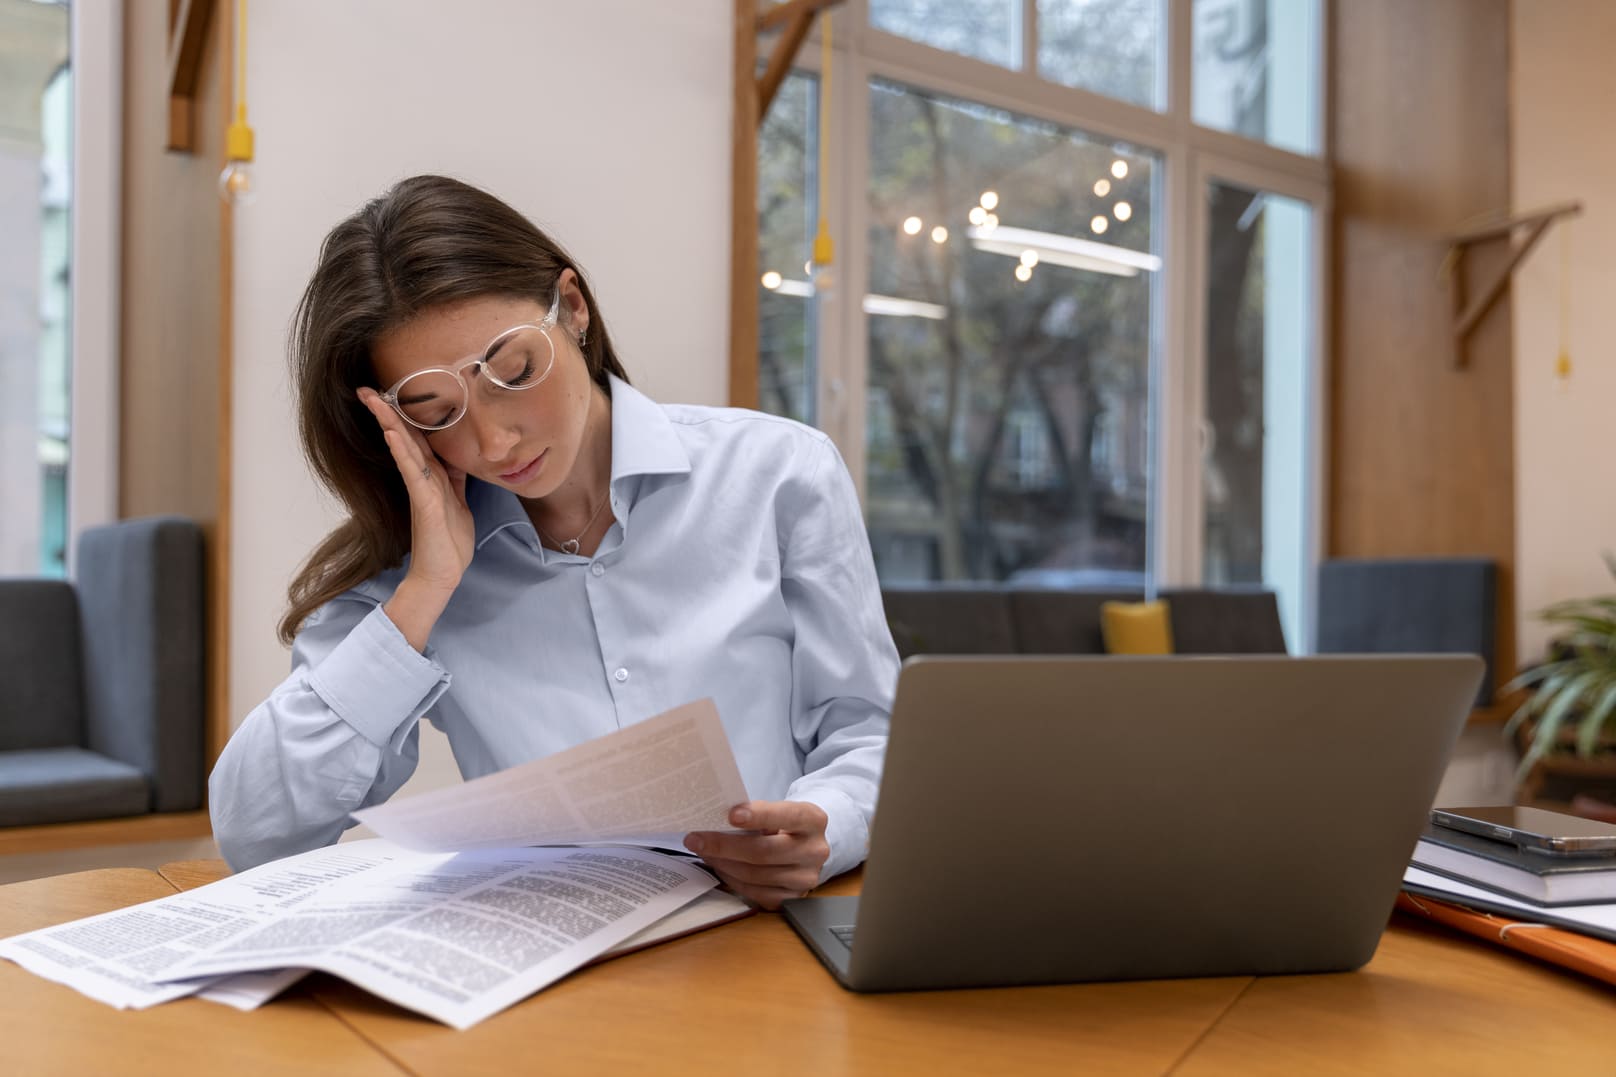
x: 650, y: 783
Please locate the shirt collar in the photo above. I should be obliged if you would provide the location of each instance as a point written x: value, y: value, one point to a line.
x: 643, y: 439
x: 644, y: 442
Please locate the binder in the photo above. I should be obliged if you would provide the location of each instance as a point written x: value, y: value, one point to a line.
x: 1590, y: 956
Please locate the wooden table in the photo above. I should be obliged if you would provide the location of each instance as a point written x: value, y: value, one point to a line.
x: 749, y: 998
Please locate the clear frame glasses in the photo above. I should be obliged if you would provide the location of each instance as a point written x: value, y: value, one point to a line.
x: 519, y: 358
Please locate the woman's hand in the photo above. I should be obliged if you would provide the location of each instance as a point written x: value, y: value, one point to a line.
x: 782, y: 861
x: 442, y: 534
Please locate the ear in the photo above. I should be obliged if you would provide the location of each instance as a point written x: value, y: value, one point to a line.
x: 574, y: 310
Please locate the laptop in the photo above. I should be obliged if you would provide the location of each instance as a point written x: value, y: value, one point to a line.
x: 1066, y: 819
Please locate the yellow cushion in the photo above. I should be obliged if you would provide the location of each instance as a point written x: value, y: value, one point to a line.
x: 1136, y: 627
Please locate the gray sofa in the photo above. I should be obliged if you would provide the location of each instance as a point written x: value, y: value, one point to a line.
x: 999, y: 619
x: 1392, y: 605
x: 103, y: 710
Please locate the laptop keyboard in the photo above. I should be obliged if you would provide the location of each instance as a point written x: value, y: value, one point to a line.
x: 844, y: 934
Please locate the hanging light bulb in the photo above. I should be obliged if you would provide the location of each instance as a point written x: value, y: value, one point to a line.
x: 989, y: 200
x: 1024, y: 273
x: 1119, y: 168
x: 912, y: 226
x: 237, y: 183
x: 977, y: 216
x: 1102, y: 187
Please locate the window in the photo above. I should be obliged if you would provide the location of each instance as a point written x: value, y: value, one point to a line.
x: 788, y: 150
x: 1259, y: 317
x: 1256, y: 70
x: 1009, y: 310
x: 35, y: 159
x: 1077, y: 285
x: 1111, y: 47
x: 985, y: 29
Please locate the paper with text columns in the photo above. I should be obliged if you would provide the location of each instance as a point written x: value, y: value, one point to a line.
x: 650, y: 783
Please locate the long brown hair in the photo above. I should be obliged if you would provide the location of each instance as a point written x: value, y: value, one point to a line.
x: 427, y: 242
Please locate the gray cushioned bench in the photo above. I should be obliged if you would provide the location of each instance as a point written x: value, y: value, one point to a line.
x: 997, y: 619
x: 102, y: 713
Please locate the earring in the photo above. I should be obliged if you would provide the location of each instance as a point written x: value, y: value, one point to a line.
x: 583, y: 337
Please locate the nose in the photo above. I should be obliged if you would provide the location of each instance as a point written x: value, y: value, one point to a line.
x: 495, y: 438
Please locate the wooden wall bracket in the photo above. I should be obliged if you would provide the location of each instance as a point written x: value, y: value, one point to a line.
x: 753, y: 95
x: 1467, y: 314
x: 188, y: 35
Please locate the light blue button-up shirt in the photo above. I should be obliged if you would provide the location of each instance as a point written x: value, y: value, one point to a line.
x: 738, y: 568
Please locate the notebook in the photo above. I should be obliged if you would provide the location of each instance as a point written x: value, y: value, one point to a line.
x: 1532, y: 876
x: 1061, y: 819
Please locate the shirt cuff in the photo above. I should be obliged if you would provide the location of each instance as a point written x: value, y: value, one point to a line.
x: 846, y: 832
x: 376, y: 682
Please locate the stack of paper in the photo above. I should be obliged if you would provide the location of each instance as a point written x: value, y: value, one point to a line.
x: 459, y: 934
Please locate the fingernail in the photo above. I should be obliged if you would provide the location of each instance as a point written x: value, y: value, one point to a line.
x: 740, y: 816
x: 694, y: 844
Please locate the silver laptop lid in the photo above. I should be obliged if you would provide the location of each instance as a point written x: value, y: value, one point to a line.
x: 1050, y: 819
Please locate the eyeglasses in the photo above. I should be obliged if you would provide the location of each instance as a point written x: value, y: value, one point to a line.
x: 519, y: 358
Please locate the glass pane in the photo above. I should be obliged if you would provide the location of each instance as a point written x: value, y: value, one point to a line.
x: 1257, y: 70
x: 1113, y: 47
x: 35, y: 200
x: 986, y: 29
x: 1258, y: 376
x: 788, y: 154
x: 1009, y: 314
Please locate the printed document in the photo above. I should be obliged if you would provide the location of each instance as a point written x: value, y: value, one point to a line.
x: 454, y: 912
x: 650, y: 783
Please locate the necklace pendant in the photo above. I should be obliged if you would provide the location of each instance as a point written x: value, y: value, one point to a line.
x: 570, y: 546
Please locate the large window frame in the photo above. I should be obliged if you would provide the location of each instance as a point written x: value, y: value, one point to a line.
x: 1193, y: 157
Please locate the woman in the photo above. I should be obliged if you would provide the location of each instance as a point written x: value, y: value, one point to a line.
x: 536, y: 554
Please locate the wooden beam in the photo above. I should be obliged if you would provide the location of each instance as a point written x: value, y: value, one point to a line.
x: 743, y: 252
x: 785, y: 50
x: 1494, y: 288
x: 1468, y: 315
x: 780, y: 14
x: 753, y: 96
x: 1506, y: 225
x: 187, y: 37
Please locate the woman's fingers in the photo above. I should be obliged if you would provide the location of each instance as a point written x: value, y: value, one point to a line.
x: 413, y: 457
x: 408, y: 459
x: 764, y: 896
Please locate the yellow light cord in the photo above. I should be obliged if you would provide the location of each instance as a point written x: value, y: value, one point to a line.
x: 241, y: 60
x: 1562, y: 361
x: 824, y: 252
x: 238, y: 139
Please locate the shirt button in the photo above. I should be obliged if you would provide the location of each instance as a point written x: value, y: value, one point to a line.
x: 597, y: 569
x: 621, y: 675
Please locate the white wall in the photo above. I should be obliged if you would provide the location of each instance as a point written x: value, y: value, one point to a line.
x: 606, y: 122
x: 1565, y: 468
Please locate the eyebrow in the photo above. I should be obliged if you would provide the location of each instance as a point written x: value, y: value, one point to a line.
x: 419, y: 399
x: 504, y: 339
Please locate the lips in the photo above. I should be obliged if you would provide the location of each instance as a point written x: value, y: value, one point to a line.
x: 525, y: 472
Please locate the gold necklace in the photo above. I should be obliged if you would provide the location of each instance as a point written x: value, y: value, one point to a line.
x: 571, y: 545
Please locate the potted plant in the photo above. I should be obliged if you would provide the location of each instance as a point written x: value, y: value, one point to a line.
x: 1573, y: 692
